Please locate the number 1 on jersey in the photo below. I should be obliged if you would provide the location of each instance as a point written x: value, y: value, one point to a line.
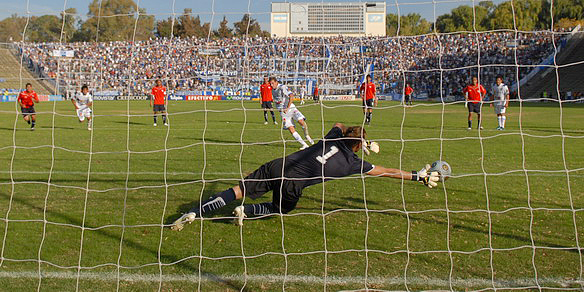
x: 323, y: 159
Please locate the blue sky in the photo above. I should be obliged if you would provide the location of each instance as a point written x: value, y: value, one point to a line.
x: 215, y: 9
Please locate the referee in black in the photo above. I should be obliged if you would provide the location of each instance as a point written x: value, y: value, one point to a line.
x: 333, y: 157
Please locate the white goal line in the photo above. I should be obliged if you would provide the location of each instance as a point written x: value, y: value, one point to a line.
x: 299, y: 279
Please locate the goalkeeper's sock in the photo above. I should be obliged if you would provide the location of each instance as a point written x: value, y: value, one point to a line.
x: 503, y: 119
x: 155, y: 119
x: 266, y: 116
x: 273, y: 117
x: 259, y: 209
x: 469, y: 123
x: 215, y: 202
x: 370, y: 116
x: 164, y: 119
x: 299, y: 139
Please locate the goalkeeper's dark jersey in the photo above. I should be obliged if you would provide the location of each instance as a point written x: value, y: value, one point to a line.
x: 310, y: 165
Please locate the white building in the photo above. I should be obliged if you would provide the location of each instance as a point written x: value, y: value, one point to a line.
x: 328, y: 19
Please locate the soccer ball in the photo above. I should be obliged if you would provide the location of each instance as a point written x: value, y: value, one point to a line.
x: 443, y: 168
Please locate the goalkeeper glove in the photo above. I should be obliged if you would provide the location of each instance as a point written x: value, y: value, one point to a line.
x: 368, y: 145
x: 428, y: 179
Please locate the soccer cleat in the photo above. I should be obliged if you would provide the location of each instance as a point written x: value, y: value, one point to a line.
x: 304, y: 147
x: 469, y: 128
x: 481, y: 127
x: 499, y: 128
x: 180, y: 222
x: 166, y: 124
x: 32, y: 128
x: 155, y: 125
x: 275, y: 123
x: 89, y: 128
x: 266, y: 122
x: 240, y: 214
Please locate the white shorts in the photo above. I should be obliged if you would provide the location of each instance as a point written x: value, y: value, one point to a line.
x: 83, y: 113
x: 288, y: 118
x: 500, y: 109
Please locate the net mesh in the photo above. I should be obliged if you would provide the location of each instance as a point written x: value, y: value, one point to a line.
x: 368, y: 237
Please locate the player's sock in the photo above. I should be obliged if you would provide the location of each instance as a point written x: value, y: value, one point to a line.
x: 155, y: 118
x: 500, y: 120
x: 28, y: 121
x: 503, y: 119
x: 370, y: 116
x: 469, y: 123
x: 273, y: 117
x: 259, y: 209
x: 299, y: 139
x: 266, y: 116
x: 215, y: 202
x: 307, y: 135
x: 32, y: 124
x: 164, y: 119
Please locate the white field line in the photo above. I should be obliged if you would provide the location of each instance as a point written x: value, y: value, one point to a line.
x: 302, y: 279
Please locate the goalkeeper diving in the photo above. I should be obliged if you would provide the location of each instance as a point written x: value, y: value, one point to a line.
x: 333, y: 157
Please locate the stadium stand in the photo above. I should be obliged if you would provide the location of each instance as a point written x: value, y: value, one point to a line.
x: 10, y: 75
x: 570, y: 74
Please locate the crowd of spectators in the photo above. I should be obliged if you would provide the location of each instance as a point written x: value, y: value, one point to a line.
x: 428, y: 62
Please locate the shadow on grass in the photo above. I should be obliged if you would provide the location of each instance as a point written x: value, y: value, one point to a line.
x: 132, y: 244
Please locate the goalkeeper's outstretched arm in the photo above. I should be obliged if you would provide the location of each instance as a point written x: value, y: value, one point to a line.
x: 428, y: 179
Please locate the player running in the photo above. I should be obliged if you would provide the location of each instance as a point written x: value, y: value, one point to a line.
x: 474, y: 94
x: 367, y: 92
x: 408, y: 91
x: 283, y: 99
x: 26, y: 100
x: 500, y: 96
x: 83, y: 102
x: 302, y: 94
x: 266, y: 100
x: 158, y: 102
x: 331, y: 158
x: 315, y: 93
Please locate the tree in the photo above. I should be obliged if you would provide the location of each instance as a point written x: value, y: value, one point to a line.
x: 224, y: 31
x: 411, y: 24
x: 111, y: 20
x: 464, y: 18
x: 164, y: 28
x: 46, y: 28
x: 68, y: 20
x: 11, y: 28
x: 190, y: 26
x: 526, y: 15
x: 248, y: 26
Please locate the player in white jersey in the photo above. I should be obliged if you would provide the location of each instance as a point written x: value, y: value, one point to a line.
x: 302, y: 93
x: 83, y: 102
x: 283, y: 100
x: 500, y: 97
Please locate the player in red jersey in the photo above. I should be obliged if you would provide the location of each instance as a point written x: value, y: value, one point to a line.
x: 315, y: 93
x: 367, y: 92
x: 26, y: 100
x: 266, y: 100
x: 408, y: 90
x: 474, y: 94
x: 158, y: 101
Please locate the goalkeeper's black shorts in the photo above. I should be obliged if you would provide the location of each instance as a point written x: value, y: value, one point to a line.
x: 268, y: 177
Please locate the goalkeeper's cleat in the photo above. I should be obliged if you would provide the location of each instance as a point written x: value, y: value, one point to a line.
x: 266, y: 122
x: 239, y: 214
x: 179, y: 223
x: 155, y: 125
x: 469, y: 128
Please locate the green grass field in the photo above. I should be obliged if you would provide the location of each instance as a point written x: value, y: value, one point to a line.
x: 510, y: 217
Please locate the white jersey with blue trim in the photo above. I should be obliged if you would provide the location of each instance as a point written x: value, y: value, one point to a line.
x: 500, y: 93
x: 281, y: 96
x: 83, y: 100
